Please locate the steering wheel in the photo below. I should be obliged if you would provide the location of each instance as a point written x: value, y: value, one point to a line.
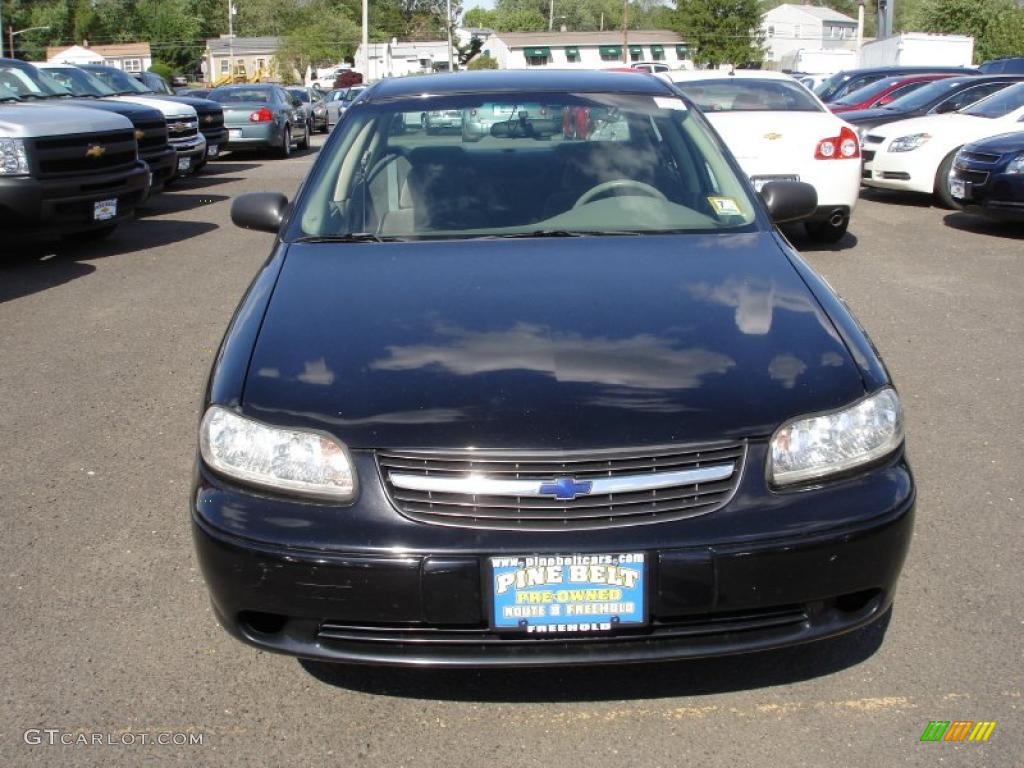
x: 616, y: 184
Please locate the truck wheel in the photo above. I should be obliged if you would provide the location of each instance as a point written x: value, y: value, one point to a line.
x: 304, y: 144
x: 945, y: 199
x: 286, y: 145
x: 826, y: 231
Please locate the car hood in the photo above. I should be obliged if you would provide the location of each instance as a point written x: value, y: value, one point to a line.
x: 950, y: 125
x: 200, y: 105
x: 554, y: 344
x: 169, y: 109
x: 1002, y: 144
x: 41, y: 120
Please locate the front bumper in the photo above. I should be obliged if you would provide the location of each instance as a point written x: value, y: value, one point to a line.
x: 66, y: 204
x: 912, y: 171
x: 215, y: 138
x: 163, y: 165
x: 191, y: 153
x: 715, y: 585
x: 998, y: 196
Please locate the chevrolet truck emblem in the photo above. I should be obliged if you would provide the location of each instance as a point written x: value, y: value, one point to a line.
x: 139, y: 134
x: 773, y: 136
x: 178, y: 127
x: 208, y: 119
x: 95, y: 150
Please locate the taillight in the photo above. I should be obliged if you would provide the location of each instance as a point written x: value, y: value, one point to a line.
x: 845, y: 146
x: 262, y: 115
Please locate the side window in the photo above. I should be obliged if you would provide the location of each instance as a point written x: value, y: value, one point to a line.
x: 967, y: 97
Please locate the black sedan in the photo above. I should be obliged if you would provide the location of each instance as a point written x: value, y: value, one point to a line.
x: 988, y: 177
x: 533, y: 401
x: 940, y: 97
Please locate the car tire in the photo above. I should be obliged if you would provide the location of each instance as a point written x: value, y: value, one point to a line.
x: 304, y: 144
x: 826, y: 231
x: 286, y: 145
x: 945, y: 199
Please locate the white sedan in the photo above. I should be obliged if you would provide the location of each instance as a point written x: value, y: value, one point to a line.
x: 916, y: 155
x: 778, y: 130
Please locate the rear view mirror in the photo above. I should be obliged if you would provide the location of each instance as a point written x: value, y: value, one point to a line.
x: 263, y: 211
x: 789, y: 200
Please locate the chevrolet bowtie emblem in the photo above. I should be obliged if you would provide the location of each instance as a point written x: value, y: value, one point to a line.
x: 178, y: 127
x: 95, y: 150
x: 139, y: 134
x: 208, y: 119
x: 773, y: 136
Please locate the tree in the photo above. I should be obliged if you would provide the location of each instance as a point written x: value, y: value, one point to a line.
x: 483, y: 62
x: 480, y: 17
x: 320, y: 33
x: 996, y: 25
x: 722, y: 31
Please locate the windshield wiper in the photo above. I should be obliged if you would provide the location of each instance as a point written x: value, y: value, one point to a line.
x: 543, y: 233
x: 351, y: 237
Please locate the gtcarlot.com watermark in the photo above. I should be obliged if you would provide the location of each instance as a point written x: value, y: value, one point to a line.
x: 127, y: 738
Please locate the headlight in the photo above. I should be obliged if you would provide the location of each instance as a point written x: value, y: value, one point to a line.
x: 909, y: 143
x: 816, y: 446
x: 1016, y: 165
x: 13, y: 160
x: 292, y: 460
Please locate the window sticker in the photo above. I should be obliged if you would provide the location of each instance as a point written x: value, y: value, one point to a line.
x: 725, y: 206
x: 667, y: 102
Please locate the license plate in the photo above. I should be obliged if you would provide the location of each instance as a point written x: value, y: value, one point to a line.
x: 235, y: 133
x: 502, y: 109
x: 104, y: 209
x: 760, y: 181
x: 184, y: 163
x: 568, y: 594
x: 212, y: 150
x: 958, y: 189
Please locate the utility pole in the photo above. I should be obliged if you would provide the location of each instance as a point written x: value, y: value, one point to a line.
x: 366, y: 41
x: 625, y: 33
x: 448, y: 26
x: 2, y: 26
x: 231, y: 42
x: 551, y: 15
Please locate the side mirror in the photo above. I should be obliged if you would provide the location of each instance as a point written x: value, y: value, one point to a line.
x: 263, y: 211
x: 789, y: 200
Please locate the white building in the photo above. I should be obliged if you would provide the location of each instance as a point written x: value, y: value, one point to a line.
x: 585, y: 50
x: 131, y: 57
x: 400, y: 58
x: 791, y: 27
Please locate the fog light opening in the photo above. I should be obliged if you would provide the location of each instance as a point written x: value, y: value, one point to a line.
x: 262, y: 623
x: 855, y: 602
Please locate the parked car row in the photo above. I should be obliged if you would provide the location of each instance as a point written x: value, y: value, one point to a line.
x: 82, y: 146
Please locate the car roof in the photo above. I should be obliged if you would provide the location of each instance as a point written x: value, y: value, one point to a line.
x: 687, y: 75
x: 556, y: 80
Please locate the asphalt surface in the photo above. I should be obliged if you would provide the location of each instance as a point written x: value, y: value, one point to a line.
x: 106, y: 628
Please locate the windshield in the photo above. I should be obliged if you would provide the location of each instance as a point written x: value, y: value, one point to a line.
x: 924, y: 95
x: 521, y: 165
x: 868, y: 92
x: 829, y: 84
x: 749, y: 95
x: 30, y: 85
x: 118, y: 81
x: 351, y: 93
x: 300, y: 93
x: 998, y: 104
x: 79, y: 82
x: 240, y: 95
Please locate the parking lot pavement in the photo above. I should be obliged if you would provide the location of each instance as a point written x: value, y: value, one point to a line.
x: 106, y: 627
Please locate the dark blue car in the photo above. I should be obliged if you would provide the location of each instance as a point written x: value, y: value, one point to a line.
x: 988, y: 177
x: 533, y: 400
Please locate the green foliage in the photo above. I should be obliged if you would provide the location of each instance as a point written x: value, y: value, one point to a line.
x: 996, y: 25
x: 483, y: 62
x: 480, y: 17
x: 722, y: 31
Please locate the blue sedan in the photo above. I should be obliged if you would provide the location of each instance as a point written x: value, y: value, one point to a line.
x: 988, y: 177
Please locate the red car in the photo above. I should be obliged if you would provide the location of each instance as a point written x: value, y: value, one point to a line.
x: 881, y: 92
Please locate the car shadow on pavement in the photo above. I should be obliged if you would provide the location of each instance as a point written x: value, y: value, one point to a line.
x: 981, y: 225
x: 224, y: 167
x: 176, y: 202
x: 800, y: 240
x: 700, y: 677
x: 897, y: 197
x: 32, y: 263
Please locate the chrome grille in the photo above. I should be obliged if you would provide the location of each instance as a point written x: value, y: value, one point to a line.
x: 491, y: 486
x: 977, y: 178
x: 211, y: 119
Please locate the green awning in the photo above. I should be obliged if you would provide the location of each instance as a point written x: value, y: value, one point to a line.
x: 682, y: 51
x: 656, y: 49
x: 637, y: 50
x: 572, y: 50
x: 537, y: 53
x: 611, y: 50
